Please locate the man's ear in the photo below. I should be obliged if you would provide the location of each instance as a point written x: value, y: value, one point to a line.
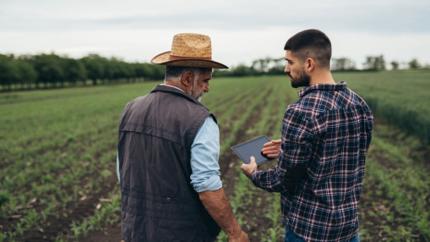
x: 310, y: 65
x: 187, y: 78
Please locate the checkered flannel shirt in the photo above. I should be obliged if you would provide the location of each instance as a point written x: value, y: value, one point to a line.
x: 325, y: 137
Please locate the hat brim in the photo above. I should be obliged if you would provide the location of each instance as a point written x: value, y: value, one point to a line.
x: 165, y: 59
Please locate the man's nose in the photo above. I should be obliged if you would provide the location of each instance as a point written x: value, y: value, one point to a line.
x: 287, y: 69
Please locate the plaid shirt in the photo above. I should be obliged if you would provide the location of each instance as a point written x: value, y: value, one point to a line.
x: 325, y: 137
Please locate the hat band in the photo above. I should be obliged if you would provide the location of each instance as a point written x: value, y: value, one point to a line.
x: 175, y: 57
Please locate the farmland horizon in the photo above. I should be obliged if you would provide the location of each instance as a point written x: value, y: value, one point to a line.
x: 359, y: 65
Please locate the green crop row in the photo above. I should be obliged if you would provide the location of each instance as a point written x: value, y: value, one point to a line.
x: 396, y: 189
x: 249, y: 203
x: 59, y: 171
x: 51, y: 167
x: 401, y: 98
x: 57, y: 149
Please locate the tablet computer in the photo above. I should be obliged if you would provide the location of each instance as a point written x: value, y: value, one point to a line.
x: 251, y: 148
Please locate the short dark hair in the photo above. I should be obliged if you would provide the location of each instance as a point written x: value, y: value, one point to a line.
x: 311, y: 43
x: 175, y: 71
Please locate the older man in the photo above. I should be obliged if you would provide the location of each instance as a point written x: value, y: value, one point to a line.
x: 325, y: 137
x: 168, y: 154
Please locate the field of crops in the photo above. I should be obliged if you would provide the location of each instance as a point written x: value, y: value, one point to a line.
x: 58, y: 145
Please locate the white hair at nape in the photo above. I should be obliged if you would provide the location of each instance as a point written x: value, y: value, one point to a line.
x: 173, y: 72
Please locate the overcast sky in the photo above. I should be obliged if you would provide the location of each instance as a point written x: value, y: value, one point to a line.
x: 241, y: 30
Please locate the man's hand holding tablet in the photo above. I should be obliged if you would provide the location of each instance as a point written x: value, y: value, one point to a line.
x: 272, y: 149
x: 256, y: 151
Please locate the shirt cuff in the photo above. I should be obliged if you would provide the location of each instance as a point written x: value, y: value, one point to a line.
x: 211, y: 183
x: 254, y: 178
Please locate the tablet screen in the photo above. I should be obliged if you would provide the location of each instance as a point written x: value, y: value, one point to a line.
x: 251, y: 148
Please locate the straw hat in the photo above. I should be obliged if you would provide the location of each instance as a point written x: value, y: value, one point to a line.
x: 189, y: 50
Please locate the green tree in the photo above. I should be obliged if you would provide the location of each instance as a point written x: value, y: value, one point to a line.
x: 95, y: 66
x: 27, y: 75
x: 374, y: 63
x: 8, y: 72
x: 414, y: 64
x: 153, y: 72
x: 243, y: 70
x: 342, y: 64
x: 74, y: 70
x: 394, y: 65
x: 49, y: 69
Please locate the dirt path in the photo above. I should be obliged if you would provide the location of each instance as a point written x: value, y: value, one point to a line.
x: 60, y: 225
x: 112, y: 233
x: 257, y: 204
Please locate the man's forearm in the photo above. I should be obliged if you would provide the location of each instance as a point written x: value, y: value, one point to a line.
x: 269, y: 180
x: 218, y: 206
x: 277, y: 180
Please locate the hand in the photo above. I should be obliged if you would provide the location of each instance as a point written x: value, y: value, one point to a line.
x: 272, y: 149
x: 218, y: 206
x: 249, y: 168
x: 243, y: 237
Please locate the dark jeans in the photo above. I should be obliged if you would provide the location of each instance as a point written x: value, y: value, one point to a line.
x: 290, y: 236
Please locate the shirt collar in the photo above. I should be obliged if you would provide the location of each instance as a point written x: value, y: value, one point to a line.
x: 164, y: 84
x: 322, y: 87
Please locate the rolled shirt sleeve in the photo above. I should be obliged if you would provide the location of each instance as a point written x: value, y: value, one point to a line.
x: 205, y: 151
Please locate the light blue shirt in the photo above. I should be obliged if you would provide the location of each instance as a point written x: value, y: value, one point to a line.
x: 205, y: 175
x: 205, y: 151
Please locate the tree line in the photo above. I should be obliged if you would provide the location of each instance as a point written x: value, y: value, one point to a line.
x: 50, y: 70
x: 26, y: 72
x: 273, y: 66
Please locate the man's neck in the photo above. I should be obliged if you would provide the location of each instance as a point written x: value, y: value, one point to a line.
x: 322, y: 77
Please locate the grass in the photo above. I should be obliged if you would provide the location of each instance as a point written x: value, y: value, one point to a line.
x: 57, y: 155
x: 401, y: 97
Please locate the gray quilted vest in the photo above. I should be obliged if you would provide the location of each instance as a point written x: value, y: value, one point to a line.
x: 158, y: 202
